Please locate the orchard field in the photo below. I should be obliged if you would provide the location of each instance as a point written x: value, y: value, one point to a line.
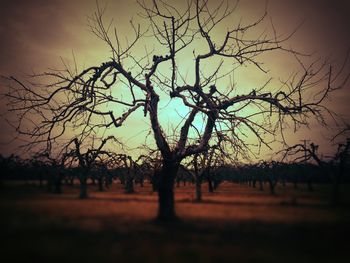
x: 236, y: 223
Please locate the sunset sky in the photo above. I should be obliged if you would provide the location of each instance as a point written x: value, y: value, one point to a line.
x: 36, y: 34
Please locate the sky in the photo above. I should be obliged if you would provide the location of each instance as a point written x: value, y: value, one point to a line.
x: 37, y: 34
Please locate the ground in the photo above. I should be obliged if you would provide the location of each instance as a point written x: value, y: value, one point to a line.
x: 237, y: 223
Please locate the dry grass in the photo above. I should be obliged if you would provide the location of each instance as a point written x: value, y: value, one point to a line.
x: 235, y: 223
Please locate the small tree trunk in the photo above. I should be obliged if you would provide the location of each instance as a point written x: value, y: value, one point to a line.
x: 129, y: 184
x: 41, y: 181
x: 216, y: 184
x: 57, y: 183
x: 272, y: 186
x: 100, y: 183
x: 198, y: 189
x: 83, y: 188
x: 254, y: 183
x: 166, y: 209
x: 210, y: 186
x: 122, y: 179
x: 154, y: 181
x: 261, y: 188
x: 141, y: 181
x: 107, y: 181
x: 49, y: 184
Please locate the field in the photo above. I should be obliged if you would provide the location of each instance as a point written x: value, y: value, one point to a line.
x: 236, y: 223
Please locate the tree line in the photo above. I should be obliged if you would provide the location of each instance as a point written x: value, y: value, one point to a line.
x: 77, y: 167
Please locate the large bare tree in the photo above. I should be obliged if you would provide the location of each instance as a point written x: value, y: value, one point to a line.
x: 143, y: 73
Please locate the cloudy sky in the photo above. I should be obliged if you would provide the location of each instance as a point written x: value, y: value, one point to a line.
x: 36, y: 34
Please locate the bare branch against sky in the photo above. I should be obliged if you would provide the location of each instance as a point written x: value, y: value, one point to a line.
x: 37, y: 34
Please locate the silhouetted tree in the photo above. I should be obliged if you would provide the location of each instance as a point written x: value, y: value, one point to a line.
x: 342, y: 158
x: 87, y: 160
x: 335, y: 167
x: 129, y: 165
x: 85, y: 98
x: 54, y: 169
x: 150, y: 165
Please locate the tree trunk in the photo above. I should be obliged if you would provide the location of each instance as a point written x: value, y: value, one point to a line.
x: 198, y: 189
x: 154, y: 181
x: 57, y: 183
x: 216, y: 183
x: 100, y: 184
x: 210, y: 186
x: 261, y: 188
x: 272, y: 186
x: 129, y: 184
x: 141, y: 181
x: 254, y: 183
x: 284, y: 182
x: 41, y: 181
x: 166, y: 209
x: 107, y: 182
x: 49, y: 184
x: 122, y: 179
x: 83, y: 188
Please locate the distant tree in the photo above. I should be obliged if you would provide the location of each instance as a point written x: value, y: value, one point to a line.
x: 130, y: 167
x: 87, y: 159
x: 342, y: 157
x: 100, y: 172
x: 335, y: 167
x: 202, y: 166
x: 150, y: 165
x: 38, y: 169
x: 86, y: 98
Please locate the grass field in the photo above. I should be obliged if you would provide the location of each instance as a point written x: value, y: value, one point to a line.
x: 235, y: 224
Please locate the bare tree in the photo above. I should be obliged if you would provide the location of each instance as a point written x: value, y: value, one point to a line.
x: 54, y: 168
x: 303, y: 154
x: 150, y: 165
x: 85, y: 99
x: 335, y: 167
x: 202, y: 165
x: 86, y: 160
x: 342, y: 157
x: 129, y: 166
